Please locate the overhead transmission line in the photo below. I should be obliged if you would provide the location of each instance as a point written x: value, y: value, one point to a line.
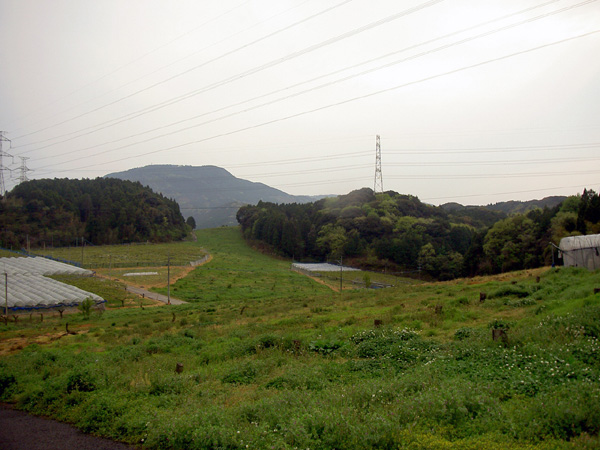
x: 236, y: 77
x: 492, y: 175
x: 339, y: 103
x: 136, y: 59
x: 365, y: 72
x: 506, y: 193
x: 205, y: 63
x: 432, y: 151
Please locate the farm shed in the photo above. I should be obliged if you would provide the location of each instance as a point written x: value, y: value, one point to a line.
x: 581, y: 251
x: 26, y: 288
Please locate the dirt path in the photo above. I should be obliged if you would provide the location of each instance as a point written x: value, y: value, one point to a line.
x: 21, y: 431
x: 142, y: 292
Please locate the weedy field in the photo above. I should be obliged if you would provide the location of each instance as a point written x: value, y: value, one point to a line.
x: 128, y: 255
x: 268, y: 358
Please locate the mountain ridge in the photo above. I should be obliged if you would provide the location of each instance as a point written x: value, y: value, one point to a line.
x: 210, y: 194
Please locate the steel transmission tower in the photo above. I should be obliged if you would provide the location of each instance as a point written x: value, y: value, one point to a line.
x: 2, y: 168
x: 378, y: 186
x: 23, y: 169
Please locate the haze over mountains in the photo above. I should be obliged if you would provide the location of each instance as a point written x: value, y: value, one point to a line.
x: 210, y: 194
x: 213, y: 196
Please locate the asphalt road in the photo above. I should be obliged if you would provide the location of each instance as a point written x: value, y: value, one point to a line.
x: 21, y: 431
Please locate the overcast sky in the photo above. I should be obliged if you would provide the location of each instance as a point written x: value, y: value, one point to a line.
x: 475, y: 101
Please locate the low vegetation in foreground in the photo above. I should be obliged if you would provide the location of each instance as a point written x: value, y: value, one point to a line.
x: 263, y: 357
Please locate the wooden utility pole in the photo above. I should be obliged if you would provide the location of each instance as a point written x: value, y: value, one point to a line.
x: 169, y: 280
x: 6, y: 297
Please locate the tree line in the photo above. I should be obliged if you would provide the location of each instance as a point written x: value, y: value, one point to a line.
x: 102, y: 211
x: 400, y: 233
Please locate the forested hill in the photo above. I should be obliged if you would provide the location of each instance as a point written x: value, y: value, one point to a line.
x: 210, y: 194
x: 103, y: 211
x: 513, y: 206
x: 402, y: 233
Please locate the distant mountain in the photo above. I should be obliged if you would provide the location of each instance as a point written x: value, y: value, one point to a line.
x: 510, y: 207
x: 210, y: 194
x: 513, y: 207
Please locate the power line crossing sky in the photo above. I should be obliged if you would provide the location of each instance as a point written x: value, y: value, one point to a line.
x: 475, y: 102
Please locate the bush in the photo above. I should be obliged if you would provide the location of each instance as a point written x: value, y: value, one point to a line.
x: 243, y: 374
x: 510, y: 291
x: 6, y: 382
x: 86, y: 307
x: 463, y: 333
x: 80, y: 380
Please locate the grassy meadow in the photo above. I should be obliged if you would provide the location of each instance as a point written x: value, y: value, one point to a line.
x: 127, y: 255
x: 272, y: 359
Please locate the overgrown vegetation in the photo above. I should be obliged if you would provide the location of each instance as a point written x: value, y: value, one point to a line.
x: 398, y: 232
x: 272, y: 359
x: 57, y: 212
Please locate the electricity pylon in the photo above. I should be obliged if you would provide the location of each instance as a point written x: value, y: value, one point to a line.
x: 378, y: 186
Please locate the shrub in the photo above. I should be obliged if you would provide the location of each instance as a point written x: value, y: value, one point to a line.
x: 510, y: 291
x: 499, y: 324
x: 243, y: 374
x: 6, y: 382
x: 86, y: 307
x: 463, y: 333
x: 80, y: 380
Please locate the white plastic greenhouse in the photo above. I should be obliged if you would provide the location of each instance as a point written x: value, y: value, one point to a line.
x: 321, y: 267
x: 581, y: 251
x: 39, y: 266
x: 28, y: 289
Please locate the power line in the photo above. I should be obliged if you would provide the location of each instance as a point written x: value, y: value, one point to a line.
x: 270, y: 35
x: 138, y: 58
x: 147, y: 110
x: 340, y: 103
x: 494, y: 175
x: 495, y: 149
x: 507, y: 193
x: 237, y: 77
x: 443, y: 47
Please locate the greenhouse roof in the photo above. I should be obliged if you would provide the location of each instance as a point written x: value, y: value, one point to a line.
x: 322, y: 267
x: 28, y: 288
x: 580, y: 242
x: 27, y: 292
x: 39, y: 266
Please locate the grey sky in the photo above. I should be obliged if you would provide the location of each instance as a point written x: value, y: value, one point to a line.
x: 475, y: 101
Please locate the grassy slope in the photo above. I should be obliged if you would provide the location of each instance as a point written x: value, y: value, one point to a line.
x: 180, y: 253
x: 273, y: 359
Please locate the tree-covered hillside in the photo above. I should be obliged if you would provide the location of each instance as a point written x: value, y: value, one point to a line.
x: 401, y: 233
x: 103, y: 211
x: 209, y: 194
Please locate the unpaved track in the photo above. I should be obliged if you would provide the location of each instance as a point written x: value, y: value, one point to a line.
x: 21, y: 431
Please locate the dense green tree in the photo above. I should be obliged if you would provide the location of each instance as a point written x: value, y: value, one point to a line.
x: 510, y: 244
x: 191, y: 222
x: 103, y: 211
x: 399, y: 232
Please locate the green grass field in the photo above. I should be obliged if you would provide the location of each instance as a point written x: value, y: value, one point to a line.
x: 274, y: 359
x: 131, y: 255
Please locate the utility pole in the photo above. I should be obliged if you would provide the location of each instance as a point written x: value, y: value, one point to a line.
x: 169, y: 280
x: 2, y: 168
x: 378, y: 185
x: 6, y: 297
x: 341, y: 277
